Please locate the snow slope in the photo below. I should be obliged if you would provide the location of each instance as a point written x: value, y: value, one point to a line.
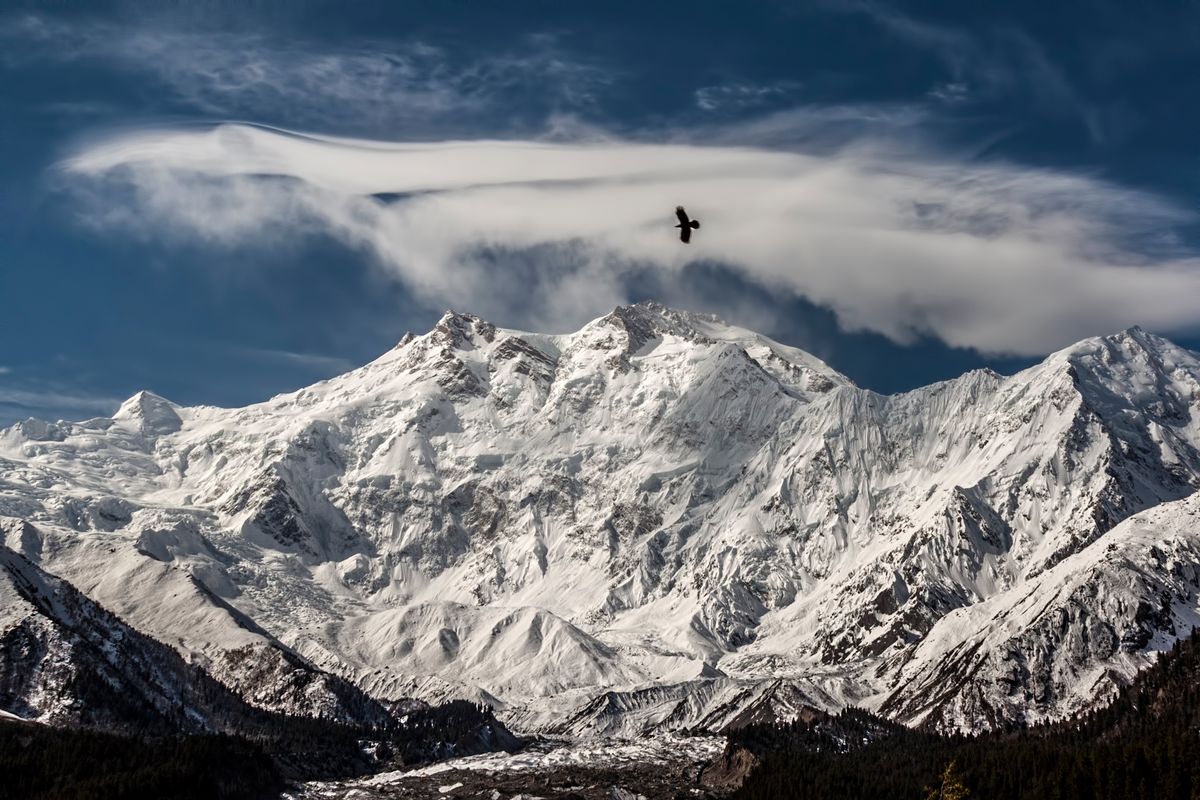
x: 659, y: 521
x: 66, y: 660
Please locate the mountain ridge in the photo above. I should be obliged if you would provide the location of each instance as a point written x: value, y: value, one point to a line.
x: 656, y: 500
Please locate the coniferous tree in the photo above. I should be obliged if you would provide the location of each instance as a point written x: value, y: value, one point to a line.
x: 951, y: 787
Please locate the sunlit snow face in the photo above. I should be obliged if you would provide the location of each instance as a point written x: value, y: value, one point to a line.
x: 995, y: 257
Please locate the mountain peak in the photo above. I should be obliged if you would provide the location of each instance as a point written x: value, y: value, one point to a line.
x: 458, y: 329
x: 1146, y: 340
x: 1134, y: 342
x: 152, y: 413
x: 1135, y: 333
x: 659, y: 318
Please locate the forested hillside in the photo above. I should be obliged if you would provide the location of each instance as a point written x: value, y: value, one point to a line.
x: 1146, y: 744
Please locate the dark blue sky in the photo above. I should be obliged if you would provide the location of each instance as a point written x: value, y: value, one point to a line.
x: 1104, y: 91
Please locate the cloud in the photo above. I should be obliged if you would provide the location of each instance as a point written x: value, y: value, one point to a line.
x: 24, y: 394
x: 991, y: 256
x: 54, y: 401
x: 950, y: 92
x: 369, y: 85
x: 1001, y: 61
x: 736, y: 96
x: 309, y: 361
x: 825, y: 129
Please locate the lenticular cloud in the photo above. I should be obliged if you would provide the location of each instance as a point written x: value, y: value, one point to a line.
x: 995, y: 257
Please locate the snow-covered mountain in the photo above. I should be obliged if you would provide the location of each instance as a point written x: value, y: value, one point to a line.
x: 659, y: 521
x: 66, y: 660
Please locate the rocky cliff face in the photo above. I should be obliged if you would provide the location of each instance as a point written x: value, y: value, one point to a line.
x: 658, y: 521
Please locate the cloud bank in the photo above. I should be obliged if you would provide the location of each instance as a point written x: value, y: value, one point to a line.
x: 995, y: 257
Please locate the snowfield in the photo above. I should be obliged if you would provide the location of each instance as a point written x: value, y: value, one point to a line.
x: 660, y: 522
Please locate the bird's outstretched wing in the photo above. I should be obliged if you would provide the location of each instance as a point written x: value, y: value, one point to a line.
x: 685, y: 233
x: 683, y: 217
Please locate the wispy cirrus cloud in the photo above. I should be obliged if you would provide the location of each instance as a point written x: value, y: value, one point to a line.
x: 50, y: 402
x: 740, y: 96
x: 309, y: 361
x: 950, y: 92
x: 999, y: 61
x: 364, y: 85
x: 991, y: 256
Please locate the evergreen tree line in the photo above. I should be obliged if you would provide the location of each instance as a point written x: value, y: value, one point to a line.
x: 41, y: 762
x: 45, y: 763
x: 1145, y: 744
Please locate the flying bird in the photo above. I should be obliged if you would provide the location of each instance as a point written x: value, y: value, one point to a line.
x: 686, y: 226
